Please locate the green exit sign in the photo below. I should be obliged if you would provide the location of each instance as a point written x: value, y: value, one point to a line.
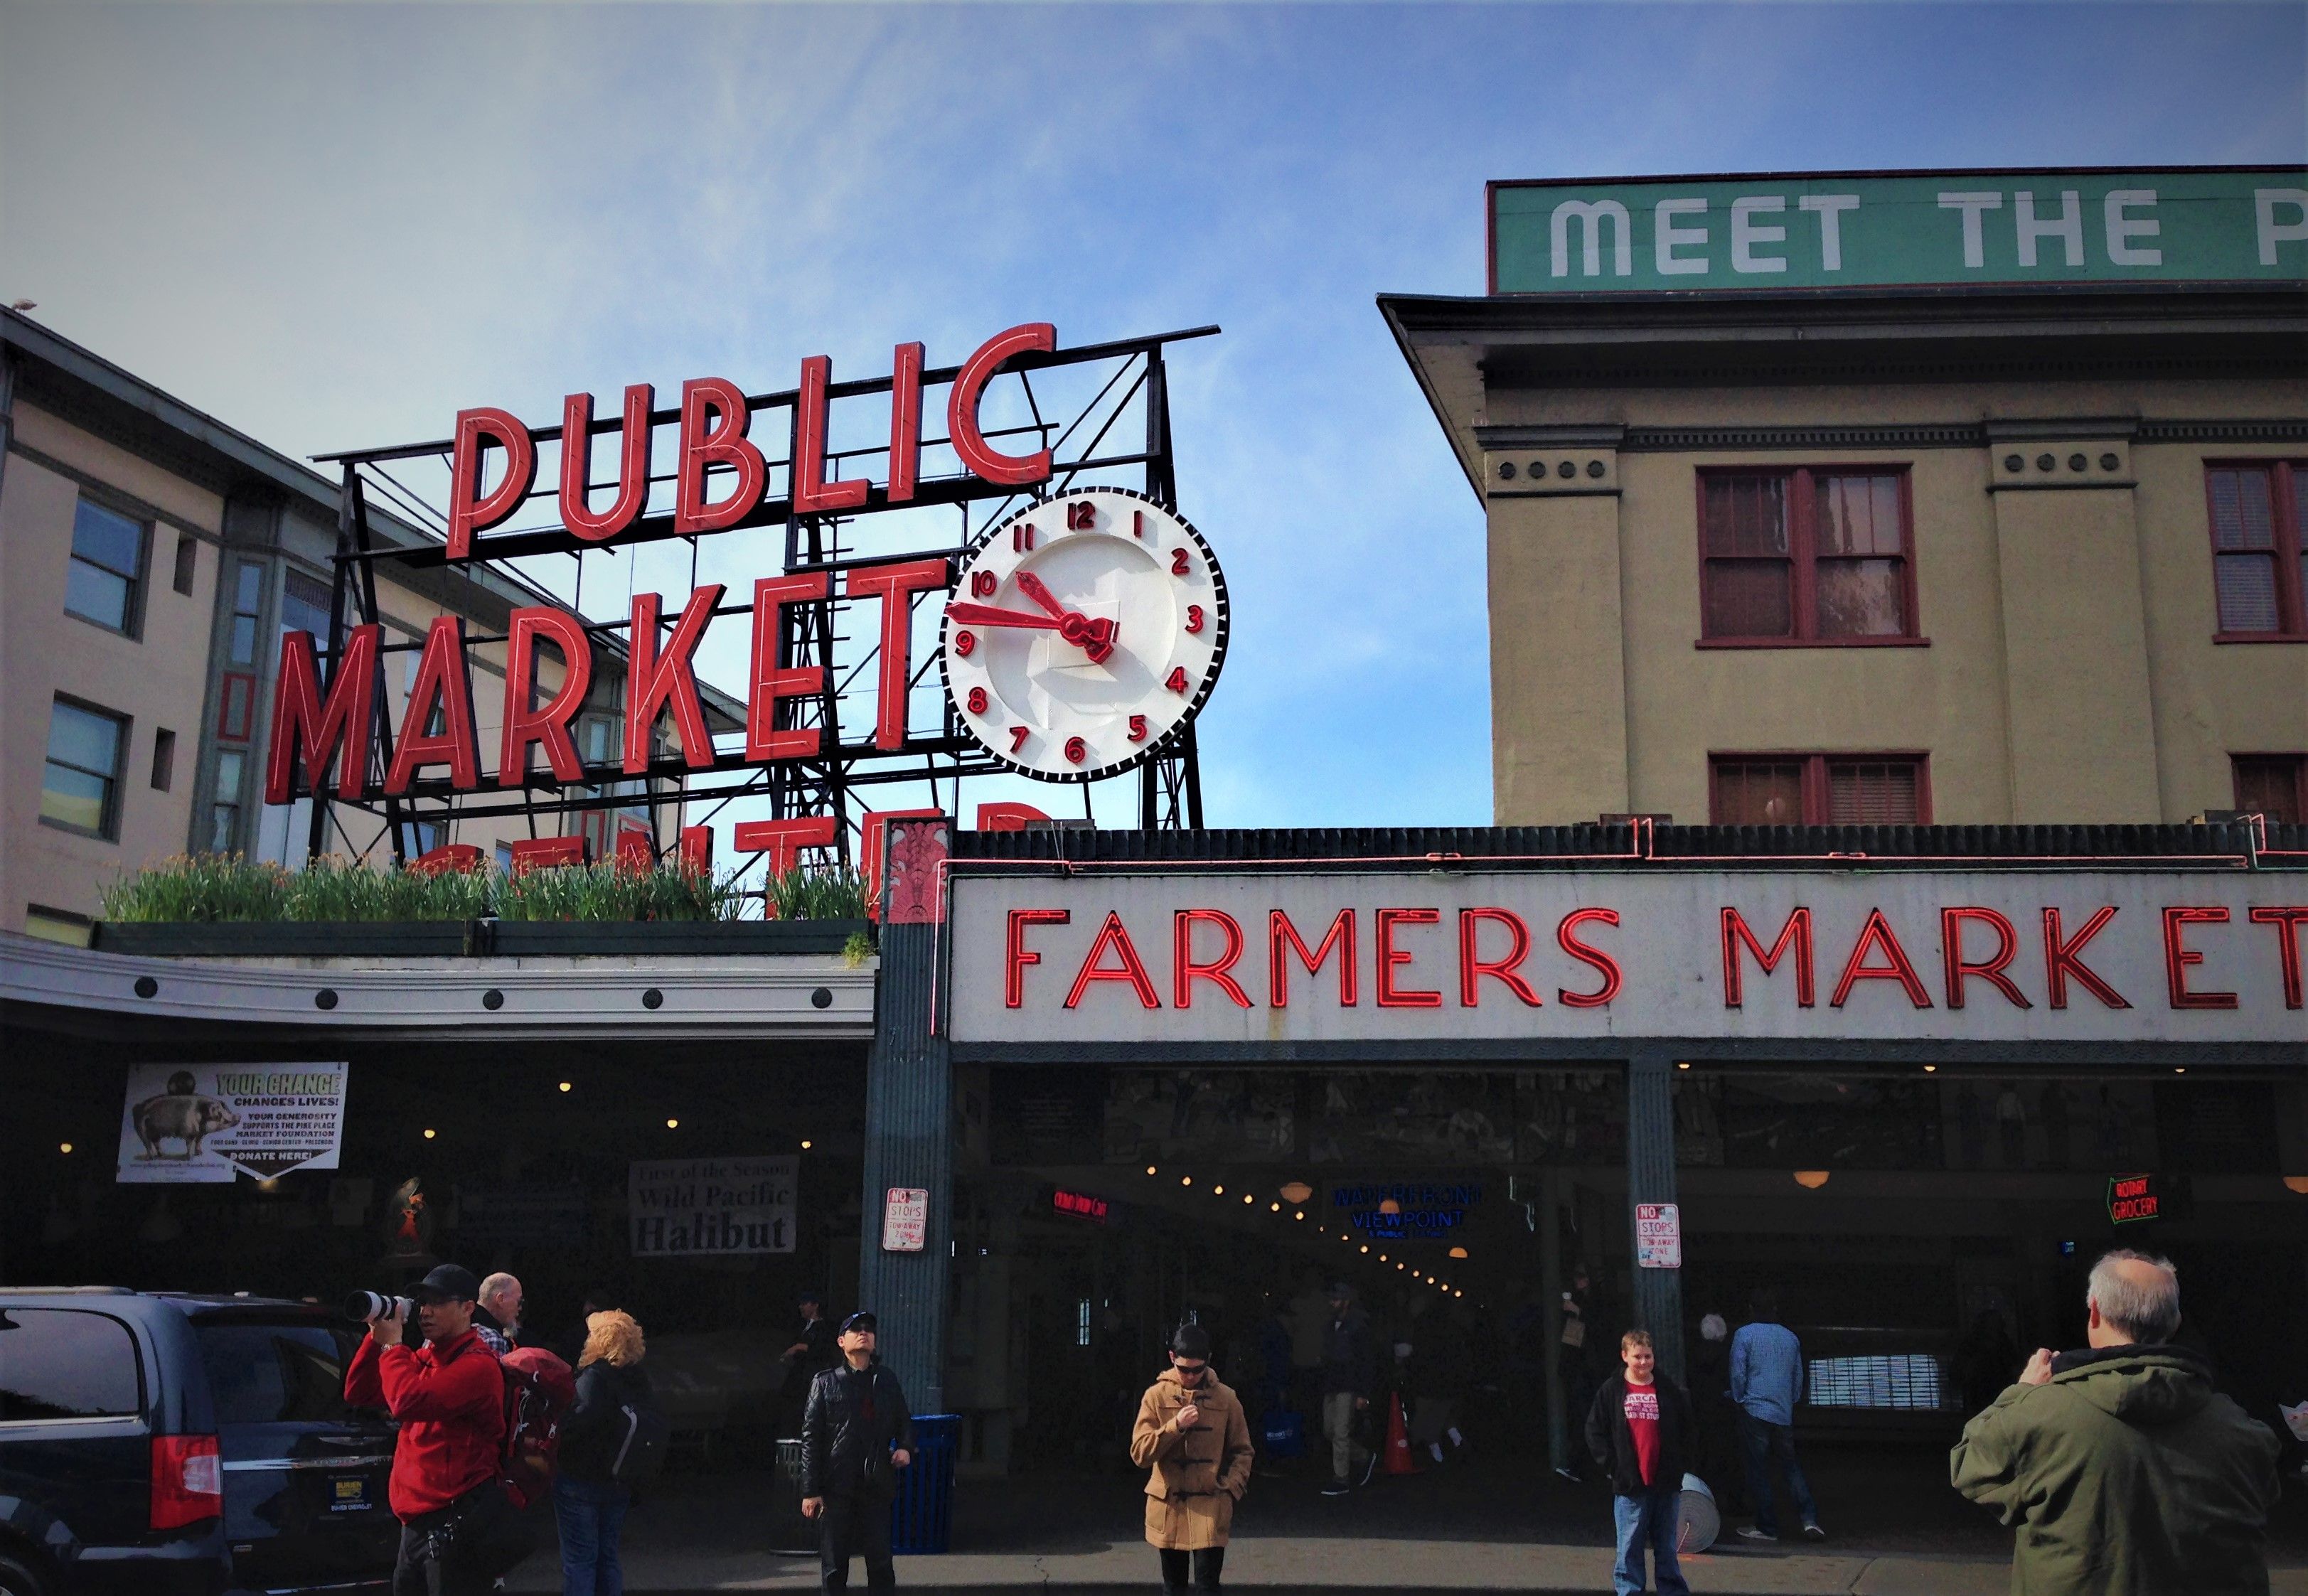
x: 1882, y: 230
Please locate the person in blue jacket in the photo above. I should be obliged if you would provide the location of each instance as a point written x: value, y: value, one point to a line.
x: 1767, y: 1381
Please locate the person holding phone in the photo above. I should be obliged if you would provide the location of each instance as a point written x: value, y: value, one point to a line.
x: 1195, y: 1443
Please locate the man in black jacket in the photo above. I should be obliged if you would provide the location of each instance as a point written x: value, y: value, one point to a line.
x: 1349, y: 1376
x: 855, y: 1434
x: 1641, y: 1430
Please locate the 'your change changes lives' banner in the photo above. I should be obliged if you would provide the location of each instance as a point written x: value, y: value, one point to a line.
x: 203, y: 1122
x: 712, y: 1207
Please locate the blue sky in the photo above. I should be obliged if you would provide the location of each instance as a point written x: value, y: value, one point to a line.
x: 334, y: 225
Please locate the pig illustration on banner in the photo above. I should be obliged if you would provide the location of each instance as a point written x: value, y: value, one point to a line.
x: 208, y: 1122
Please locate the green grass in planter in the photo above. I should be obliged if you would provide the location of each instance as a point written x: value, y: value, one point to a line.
x: 610, y: 893
x: 801, y: 894
x: 340, y: 889
x: 197, y: 888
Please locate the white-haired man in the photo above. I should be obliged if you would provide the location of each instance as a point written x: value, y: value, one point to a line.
x: 2124, y: 1471
x: 497, y: 1318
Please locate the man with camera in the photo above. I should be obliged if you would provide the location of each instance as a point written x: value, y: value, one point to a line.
x: 855, y: 1434
x: 448, y: 1396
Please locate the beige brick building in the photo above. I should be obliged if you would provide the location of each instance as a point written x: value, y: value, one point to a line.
x: 1967, y: 553
x: 151, y: 557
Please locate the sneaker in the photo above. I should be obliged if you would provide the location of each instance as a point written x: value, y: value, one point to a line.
x: 1435, y: 1451
x: 1752, y: 1533
x: 1337, y: 1488
x: 1813, y: 1532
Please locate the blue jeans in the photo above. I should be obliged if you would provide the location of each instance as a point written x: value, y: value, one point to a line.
x: 1648, y: 1521
x: 591, y: 1517
x: 1764, y: 1442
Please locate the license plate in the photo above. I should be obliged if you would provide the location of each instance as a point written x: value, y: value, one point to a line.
x: 348, y: 1496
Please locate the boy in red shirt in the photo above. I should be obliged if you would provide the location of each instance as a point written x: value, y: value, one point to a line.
x: 1641, y: 1430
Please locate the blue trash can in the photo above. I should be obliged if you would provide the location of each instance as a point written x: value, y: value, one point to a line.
x: 921, y: 1518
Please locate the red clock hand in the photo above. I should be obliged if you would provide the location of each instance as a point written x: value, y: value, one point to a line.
x: 1093, y: 638
x: 985, y: 614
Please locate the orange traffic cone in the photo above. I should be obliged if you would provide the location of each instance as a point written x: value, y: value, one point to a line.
x: 1399, y: 1460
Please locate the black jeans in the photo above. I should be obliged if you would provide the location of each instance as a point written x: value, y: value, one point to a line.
x: 1206, y: 1564
x: 459, y: 1550
x: 850, y: 1524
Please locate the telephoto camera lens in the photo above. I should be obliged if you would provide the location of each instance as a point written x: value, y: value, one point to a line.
x: 366, y: 1306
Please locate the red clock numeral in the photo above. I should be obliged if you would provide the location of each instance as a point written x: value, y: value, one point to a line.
x: 1077, y: 751
x: 1081, y: 515
x: 982, y: 584
x: 1021, y: 536
x: 965, y: 643
x: 1179, y: 562
x: 1138, y: 728
x: 1177, y: 682
x: 1194, y: 617
x: 1137, y: 523
x: 977, y: 701
x: 1017, y: 738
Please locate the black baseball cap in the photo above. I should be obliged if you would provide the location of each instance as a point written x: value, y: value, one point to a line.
x: 860, y: 1320
x: 1339, y: 1289
x: 449, y: 1283
x: 810, y: 1297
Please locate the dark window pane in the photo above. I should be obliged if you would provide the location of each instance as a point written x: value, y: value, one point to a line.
x: 85, y: 738
x: 1747, y: 515
x: 2247, y: 592
x: 224, y: 828
x: 274, y: 1374
x: 102, y: 537
x: 95, y: 594
x: 2270, y: 786
x: 250, y: 596
x: 1861, y: 598
x: 240, y: 696
x: 1758, y: 793
x: 1859, y: 515
x: 1748, y: 599
x: 244, y: 639
x: 1871, y: 793
x: 188, y: 551
x: 56, y: 1363
x: 2242, y: 512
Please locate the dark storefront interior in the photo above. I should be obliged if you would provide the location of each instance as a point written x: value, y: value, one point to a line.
x: 1959, y: 1212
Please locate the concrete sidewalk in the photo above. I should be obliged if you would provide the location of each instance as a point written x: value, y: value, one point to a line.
x: 1277, y: 1566
x: 1898, y: 1531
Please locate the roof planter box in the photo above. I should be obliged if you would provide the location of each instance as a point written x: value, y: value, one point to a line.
x: 288, y: 938
x: 546, y: 938
x: 455, y: 939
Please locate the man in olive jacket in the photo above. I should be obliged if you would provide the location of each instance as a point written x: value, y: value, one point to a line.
x: 2125, y: 1472
x: 1193, y: 1441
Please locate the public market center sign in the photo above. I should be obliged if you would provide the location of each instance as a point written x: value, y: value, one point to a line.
x: 1874, y: 229
x: 2100, y: 957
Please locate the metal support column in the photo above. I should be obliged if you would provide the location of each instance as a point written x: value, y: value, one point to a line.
x: 1650, y: 1178
x: 1562, y: 1427
x: 908, y: 1127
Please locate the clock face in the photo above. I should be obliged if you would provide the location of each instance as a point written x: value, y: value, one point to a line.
x: 1085, y: 631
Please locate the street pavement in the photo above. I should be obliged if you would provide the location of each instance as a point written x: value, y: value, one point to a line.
x: 1899, y: 1532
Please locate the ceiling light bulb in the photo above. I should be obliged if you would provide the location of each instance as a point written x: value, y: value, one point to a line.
x: 1218, y: 1191
x: 566, y: 1086
x: 673, y: 1124
x: 64, y: 1147
x: 805, y: 1144
x: 1152, y: 1170
x: 430, y: 1133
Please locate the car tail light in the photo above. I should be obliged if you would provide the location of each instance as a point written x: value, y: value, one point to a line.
x: 187, y: 1481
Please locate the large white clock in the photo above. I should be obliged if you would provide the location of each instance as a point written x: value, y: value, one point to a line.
x: 1085, y: 633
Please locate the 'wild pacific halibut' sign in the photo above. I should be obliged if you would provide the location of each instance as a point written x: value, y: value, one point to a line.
x: 712, y: 1207
x: 1861, y: 229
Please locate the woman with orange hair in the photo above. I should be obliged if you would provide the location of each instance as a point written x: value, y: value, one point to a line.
x: 587, y: 1502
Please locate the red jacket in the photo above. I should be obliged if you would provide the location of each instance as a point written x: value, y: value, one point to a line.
x: 450, y: 1400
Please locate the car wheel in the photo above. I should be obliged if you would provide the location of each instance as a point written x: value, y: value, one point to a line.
x: 16, y: 1580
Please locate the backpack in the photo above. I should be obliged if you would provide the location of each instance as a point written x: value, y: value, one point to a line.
x: 538, y: 1390
x: 640, y: 1454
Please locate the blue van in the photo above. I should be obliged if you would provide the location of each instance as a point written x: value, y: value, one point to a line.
x: 171, y: 1443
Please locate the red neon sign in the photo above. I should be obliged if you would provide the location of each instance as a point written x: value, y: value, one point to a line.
x: 1080, y: 1204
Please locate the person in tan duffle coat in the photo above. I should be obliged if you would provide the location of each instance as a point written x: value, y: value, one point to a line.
x: 1195, y: 1443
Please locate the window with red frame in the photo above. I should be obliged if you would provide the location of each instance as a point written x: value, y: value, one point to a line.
x: 1806, y: 556
x: 2260, y: 549
x: 2272, y: 785
x: 1818, y: 790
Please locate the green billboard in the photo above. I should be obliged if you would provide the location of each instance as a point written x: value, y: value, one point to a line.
x: 1872, y: 229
